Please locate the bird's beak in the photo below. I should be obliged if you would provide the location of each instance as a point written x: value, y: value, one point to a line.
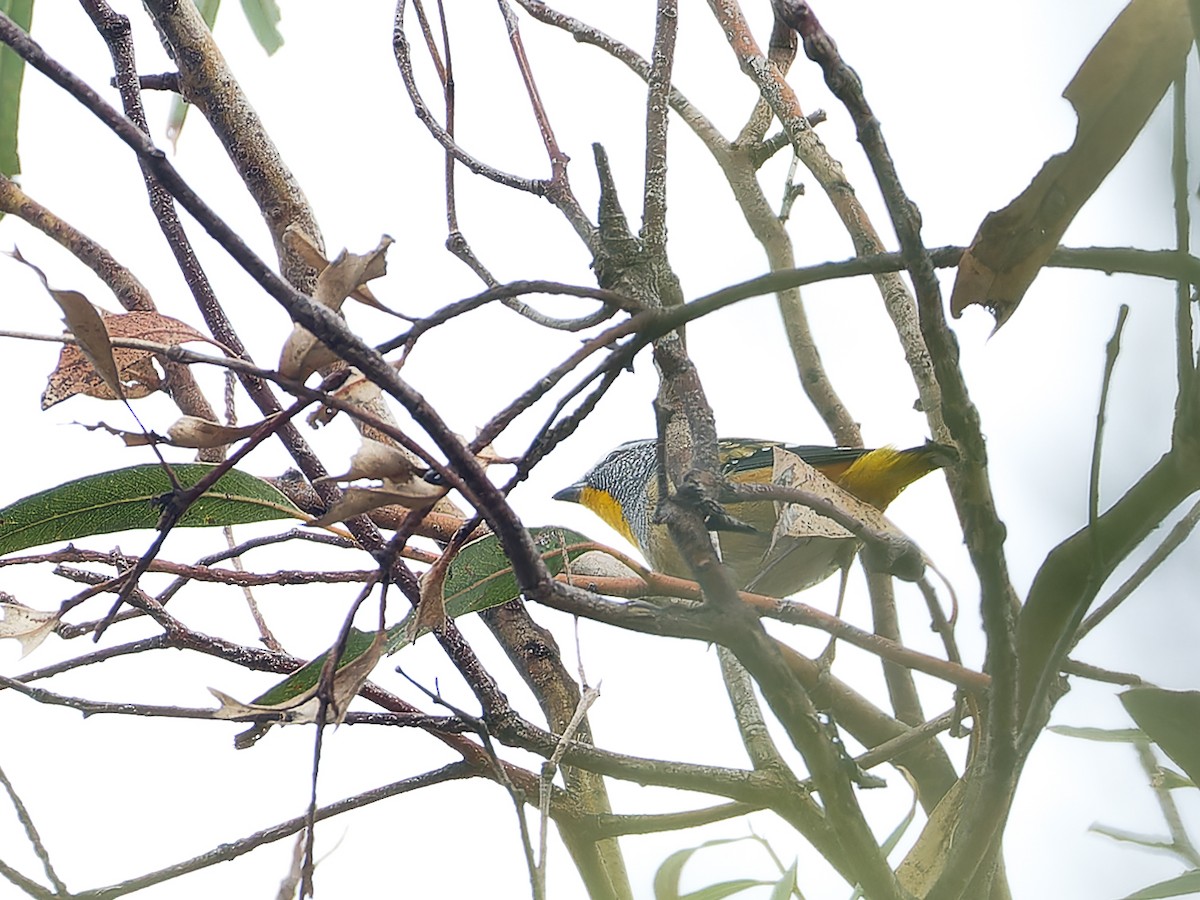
x: 570, y: 493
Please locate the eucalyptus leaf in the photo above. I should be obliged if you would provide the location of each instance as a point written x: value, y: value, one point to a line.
x: 264, y: 16
x: 305, y: 678
x: 1184, y: 885
x: 786, y: 885
x: 127, y: 499
x: 1103, y: 735
x: 12, y: 73
x: 480, y: 577
x: 666, y: 878
x: 723, y: 889
x: 1172, y: 720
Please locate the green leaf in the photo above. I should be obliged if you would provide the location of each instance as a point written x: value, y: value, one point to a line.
x: 1146, y: 841
x: 1172, y: 720
x: 786, y: 884
x: 1103, y: 735
x: 125, y: 499
x: 1181, y: 886
x: 263, y: 16
x: 306, y: 677
x: 666, y: 879
x: 12, y: 73
x: 482, y: 577
x: 893, y: 838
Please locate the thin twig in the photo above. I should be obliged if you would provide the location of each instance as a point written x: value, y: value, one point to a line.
x: 1178, y: 534
x: 31, y: 832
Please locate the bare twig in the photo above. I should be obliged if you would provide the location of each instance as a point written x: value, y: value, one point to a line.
x: 31, y: 833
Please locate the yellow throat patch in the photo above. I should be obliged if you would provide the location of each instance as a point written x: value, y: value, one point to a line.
x: 605, y: 505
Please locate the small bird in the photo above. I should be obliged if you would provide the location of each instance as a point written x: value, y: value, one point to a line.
x: 622, y: 489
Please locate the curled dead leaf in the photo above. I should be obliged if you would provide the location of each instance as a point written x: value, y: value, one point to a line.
x: 198, y: 434
x: 75, y: 374
x: 191, y: 432
x: 297, y: 709
x: 431, y: 610
x: 303, y: 353
x: 131, y: 438
x: 27, y: 625
x: 380, y: 461
x: 357, y: 390
x: 302, y: 244
x: 414, y: 494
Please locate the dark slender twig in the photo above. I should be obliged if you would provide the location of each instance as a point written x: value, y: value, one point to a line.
x: 519, y: 799
x: 1111, y: 352
x: 239, y: 578
x: 179, y: 502
x: 403, y: 53
x: 234, y: 849
x: 30, y: 887
x: 158, y: 642
x: 1099, y: 568
x: 1095, y: 673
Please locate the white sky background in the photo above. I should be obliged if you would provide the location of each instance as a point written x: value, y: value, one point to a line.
x: 969, y: 98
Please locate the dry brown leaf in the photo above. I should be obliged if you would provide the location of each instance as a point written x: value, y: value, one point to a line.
x: 357, y: 390
x: 356, y: 500
x: 303, y: 246
x: 299, y: 709
x: 191, y: 432
x: 431, y: 610
x: 925, y: 862
x: 74, y: 374
x: 349, y: 679
x: 377, y: 460
x: 349, y: 270
x: 303, y: 353
x: 131, y: 438
x: 1113, y: 93
x: 152, y: 326
x: 199, y: 434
